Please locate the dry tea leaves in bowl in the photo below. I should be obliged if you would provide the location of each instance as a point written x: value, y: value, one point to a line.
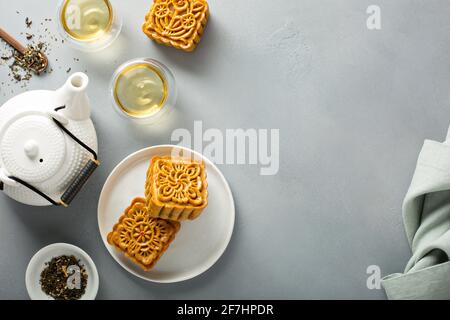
x: 64, y: 278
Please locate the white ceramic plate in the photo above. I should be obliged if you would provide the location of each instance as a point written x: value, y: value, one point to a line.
x: 198, y: 244
x: 37, y: 264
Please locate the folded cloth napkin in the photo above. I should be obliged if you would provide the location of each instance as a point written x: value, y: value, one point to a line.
x: 426, y: 216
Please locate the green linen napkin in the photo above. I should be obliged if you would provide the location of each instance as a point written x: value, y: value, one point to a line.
x: 426, y: 215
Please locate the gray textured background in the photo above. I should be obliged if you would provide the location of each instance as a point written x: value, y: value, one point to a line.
x: 353, y: 107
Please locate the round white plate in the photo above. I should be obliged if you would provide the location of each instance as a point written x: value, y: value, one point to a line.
x: 198, y: 244
x: 37, y: 264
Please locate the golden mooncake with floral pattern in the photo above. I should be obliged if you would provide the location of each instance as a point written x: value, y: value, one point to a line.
x: 140, y: 237
x: 176, y: 189
x: 177, y: 23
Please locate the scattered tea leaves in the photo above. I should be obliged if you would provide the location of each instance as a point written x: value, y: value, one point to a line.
x: 38, y: 36
x: 32, y: 60
x: 28, y: 22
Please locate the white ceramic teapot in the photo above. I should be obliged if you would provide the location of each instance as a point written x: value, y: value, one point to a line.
x: 48, y: 144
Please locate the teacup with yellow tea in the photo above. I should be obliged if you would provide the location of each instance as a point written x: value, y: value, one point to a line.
x: 143, y: 89
x: 88, y: 25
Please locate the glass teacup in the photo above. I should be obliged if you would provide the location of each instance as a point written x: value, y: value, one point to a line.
x: 88, y: 25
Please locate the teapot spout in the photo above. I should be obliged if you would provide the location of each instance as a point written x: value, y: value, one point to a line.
x: 73, y: 96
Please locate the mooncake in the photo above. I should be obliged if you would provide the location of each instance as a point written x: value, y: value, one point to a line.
x: 177, y: 23
x: 176, y: 189
x: 140, y: 237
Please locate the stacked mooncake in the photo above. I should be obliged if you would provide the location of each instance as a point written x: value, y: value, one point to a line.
x: 175, y: 190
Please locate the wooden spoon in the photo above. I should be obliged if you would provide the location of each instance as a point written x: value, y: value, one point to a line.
x: 13, y: 42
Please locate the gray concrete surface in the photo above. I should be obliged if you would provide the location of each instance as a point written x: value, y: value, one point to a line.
x: 353, y: 107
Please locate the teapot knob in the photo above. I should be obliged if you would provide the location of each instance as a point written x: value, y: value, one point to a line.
x: 31, y: 149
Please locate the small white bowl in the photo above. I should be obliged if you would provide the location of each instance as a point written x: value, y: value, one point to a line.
x: 37, y: 264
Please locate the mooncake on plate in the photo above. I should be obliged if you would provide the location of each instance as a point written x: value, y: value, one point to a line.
x: 177, y: 23
x: 176, y: 189
x: 140, y: 237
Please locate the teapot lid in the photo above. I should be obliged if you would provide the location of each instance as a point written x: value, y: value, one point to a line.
x: 32, y: 147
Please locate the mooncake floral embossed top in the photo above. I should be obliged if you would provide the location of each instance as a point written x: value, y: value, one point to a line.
x: 141, y: 237
x: 176, y: 188
x: 177, y: 23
